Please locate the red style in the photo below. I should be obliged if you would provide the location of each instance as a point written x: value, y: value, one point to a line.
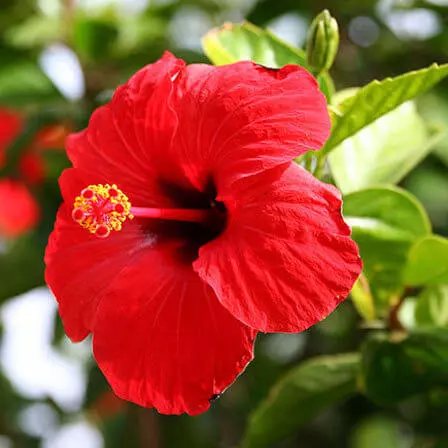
x: 186, y: 228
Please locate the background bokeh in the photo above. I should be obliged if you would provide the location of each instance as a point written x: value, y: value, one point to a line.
x: 59, y: 60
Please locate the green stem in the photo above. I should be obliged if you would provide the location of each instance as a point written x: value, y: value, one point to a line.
x: 308, y: 158
x: 320, y: 167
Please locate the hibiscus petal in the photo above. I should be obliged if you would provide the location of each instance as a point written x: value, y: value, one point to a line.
x: 160, y: 335
x: 124, y: 136
x: 19, y: 211
x: 81, y: 266
x: 163, y: 339
x: 286, y: 259
x: 242, y: 119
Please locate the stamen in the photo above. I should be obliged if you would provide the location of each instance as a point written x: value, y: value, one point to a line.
x: 103, y: 208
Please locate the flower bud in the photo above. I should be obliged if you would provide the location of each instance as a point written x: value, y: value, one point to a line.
x: 322, y: 42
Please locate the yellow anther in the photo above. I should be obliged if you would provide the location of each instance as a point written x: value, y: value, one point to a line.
x: 101, y: 209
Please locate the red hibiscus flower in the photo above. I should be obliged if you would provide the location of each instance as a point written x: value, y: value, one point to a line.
x: 186, y: 228
x: 19, y: 211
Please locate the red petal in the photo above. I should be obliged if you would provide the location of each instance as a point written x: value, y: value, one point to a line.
x: 163, y: 340
x: 124, y: 136
x: 242, y: 119
x: 80, y: 266
x: 286, y: 259
x: 19, y: 212
x: 160, y: 335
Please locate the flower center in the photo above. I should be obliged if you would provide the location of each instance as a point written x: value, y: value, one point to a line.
x: 101, y: 209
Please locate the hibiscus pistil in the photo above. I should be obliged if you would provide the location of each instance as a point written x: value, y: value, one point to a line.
x: 101, y: 209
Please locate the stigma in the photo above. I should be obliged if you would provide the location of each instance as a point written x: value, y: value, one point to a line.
x: 101, y: 209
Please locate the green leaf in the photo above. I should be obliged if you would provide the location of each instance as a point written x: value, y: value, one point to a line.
x: 25, y: 256
x: 378, y: 431
x: 326, y: 85
x: 35, y: 31
x: 385, y: 223
x: 393, y: 371
x: 379, y: 98
x: 439, y: 398
x: 434, y: 109
x: 94, y: 38
x: 342, y: 95
x: 97, y: 385
x: 430, y: 185
x: 430, y: 347
x: 301, y: 396
x: 396, y: 212
x: 362, y: 299
x: 383, y: 152
x: 428, y: 262
x: 22, y: 83
x: 442, y: 443
x: 11, y: 401
x: 118, y: 432
x: 431, y: 308
x: 136, y: 32
x: 246, y: 42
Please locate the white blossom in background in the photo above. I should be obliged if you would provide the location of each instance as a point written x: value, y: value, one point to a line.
x: 363, y: 31
x: 77, y: 435
x: 188, y: 26
x: 416, y: 24
x: 50, y: 8
x: 410, y: 24
x: 62, y: 66
x: 35, y: 368
x: 39, y: 420
x: 291, y: 27
x: 5, y: 442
